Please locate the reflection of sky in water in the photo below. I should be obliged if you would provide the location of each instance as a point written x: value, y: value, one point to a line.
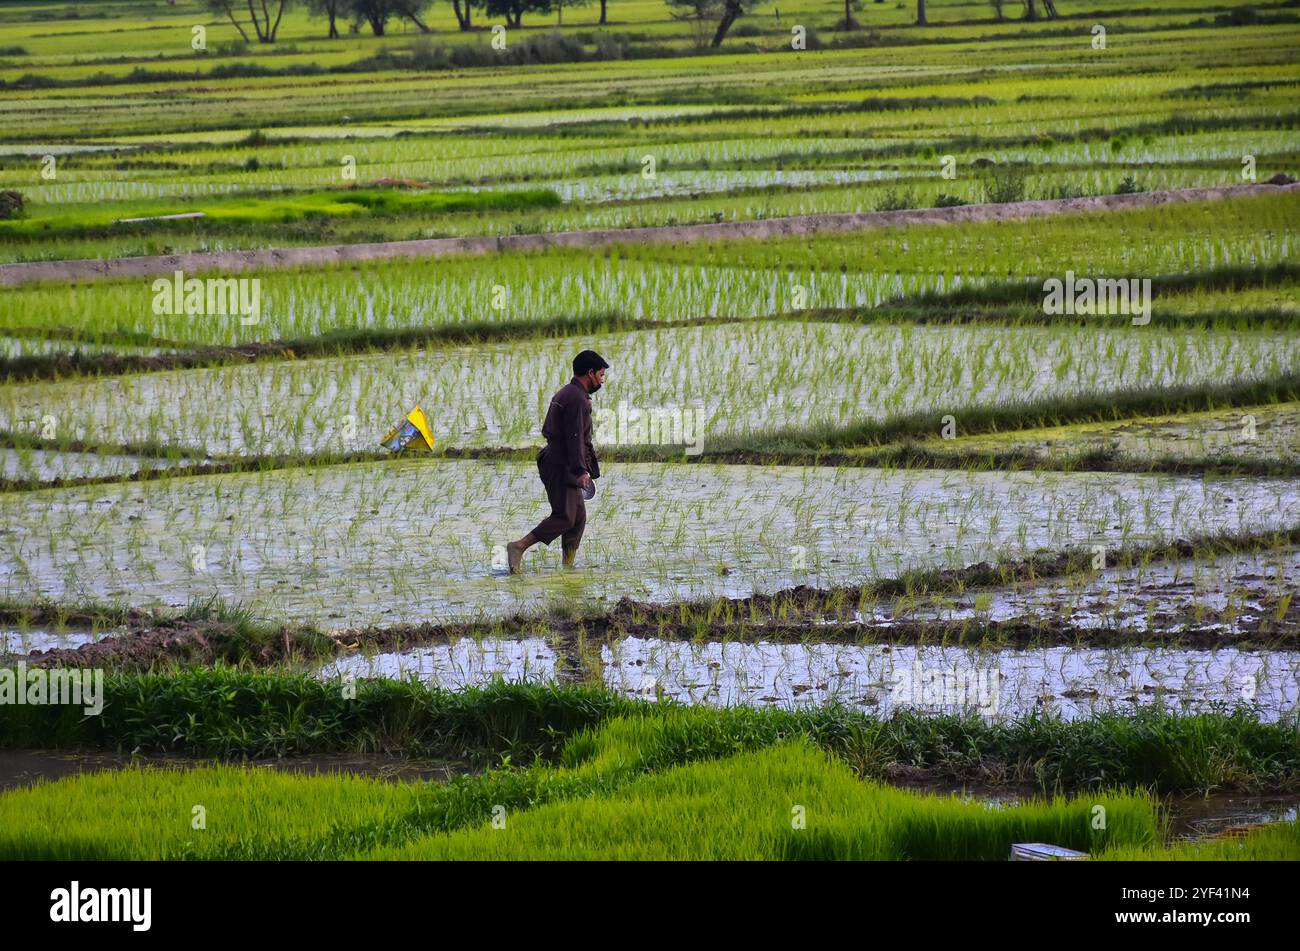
x: 879, y: 678
x: 46, y: 465
x: 1226, y: 595
x: 1003, y: 684
x: 466, y: 663
x: 17, y: 642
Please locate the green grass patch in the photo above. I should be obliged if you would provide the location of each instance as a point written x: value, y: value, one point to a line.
x: 655, y: 783
x: 234, y: 713
x: 148, y: 814
x: 789, y: 801
x: 252, y: 210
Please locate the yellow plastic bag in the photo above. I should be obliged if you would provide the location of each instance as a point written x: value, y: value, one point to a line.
x: 412, y: 433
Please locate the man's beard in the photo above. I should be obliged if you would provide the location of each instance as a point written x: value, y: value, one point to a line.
x: 595, y: 386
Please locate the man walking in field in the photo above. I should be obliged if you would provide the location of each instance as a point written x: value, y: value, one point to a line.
x: 567, y: 463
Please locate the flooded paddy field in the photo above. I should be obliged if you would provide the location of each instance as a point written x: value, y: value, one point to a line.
x: 43, y: 465
x: 382, y: 543
x: 881, y: 530
x: 16, y: 641
x: 1256, y: 433
x: 719, y: 379
x: 1252, y: 593
x: 883, y: 679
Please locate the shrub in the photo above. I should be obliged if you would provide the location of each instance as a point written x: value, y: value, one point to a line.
x: 11, y: 205
x: 896, y: 200
x: 1242, y: 16
x: 1128, y: 186
x: 1004, y: 183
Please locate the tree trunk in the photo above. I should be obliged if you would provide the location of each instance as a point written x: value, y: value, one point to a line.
x: 462, y: 19
x: 257, y: 26
x: 1050, y: 8
x: 278, y: 17
x: 920, y: 13
x: 231, y: 13
x: 603, y: 18
x: 334, y: 30
x: 729, y: 16
x: 1031, y: 10
x: 264, y: 31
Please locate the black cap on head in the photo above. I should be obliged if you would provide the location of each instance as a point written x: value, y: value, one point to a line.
x: 588, y: 360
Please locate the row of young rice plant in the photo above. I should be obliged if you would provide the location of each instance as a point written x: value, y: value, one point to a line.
x: 705, y: 385
x: 145, y: 814
x: 661, y: 282
x: 593, y: 170
x: 297, y: 100
x: 412, y: 540
x: 629, y: 789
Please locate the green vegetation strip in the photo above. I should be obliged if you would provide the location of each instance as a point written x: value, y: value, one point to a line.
x: 809, y: 445
x: 807, y: 225
x: 233, y: 217
x: 654, y: 782
x: 789, y: 801
x: 337, y: 343
x: 1009, y: 303
x: 234, y: 713
x: 1030, y: 414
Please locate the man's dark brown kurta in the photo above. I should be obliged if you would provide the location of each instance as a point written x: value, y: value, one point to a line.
x: 567, y: 456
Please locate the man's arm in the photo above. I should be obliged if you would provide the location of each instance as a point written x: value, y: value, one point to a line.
x: 574, y: 441
x: 593, y: 464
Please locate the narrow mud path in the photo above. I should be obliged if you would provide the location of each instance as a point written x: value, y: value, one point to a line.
x: 231, y: 261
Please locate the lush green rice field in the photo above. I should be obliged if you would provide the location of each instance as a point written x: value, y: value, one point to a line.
x: 818, y: 445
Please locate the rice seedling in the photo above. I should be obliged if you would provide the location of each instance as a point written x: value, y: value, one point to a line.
x: 904, y: 461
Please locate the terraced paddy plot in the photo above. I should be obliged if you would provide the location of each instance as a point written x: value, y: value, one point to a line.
x: 624, y: 187
x: 604, y: 810
x: 16, y: 347
x: 419, y: 540
x: 1070, y: 682
x: 663, y: 282
x: 456, y: 665
x: 884, y: 679
x: 1257, y: 433
x: 42, y: 465
x: 1239, y: 594
x: 737, y: 378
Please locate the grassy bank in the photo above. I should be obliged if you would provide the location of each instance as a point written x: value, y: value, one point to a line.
x: 229, y: 713
x: 674, y: 784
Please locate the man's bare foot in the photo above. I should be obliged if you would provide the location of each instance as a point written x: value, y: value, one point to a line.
x: 515, y: 556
